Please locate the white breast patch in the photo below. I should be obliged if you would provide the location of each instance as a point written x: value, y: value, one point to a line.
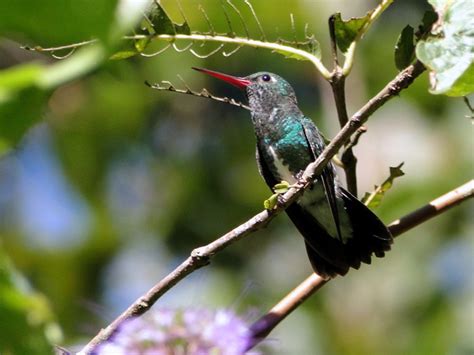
x: 282, y: 169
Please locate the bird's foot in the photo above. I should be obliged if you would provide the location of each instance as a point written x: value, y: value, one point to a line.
x: 279, y: 189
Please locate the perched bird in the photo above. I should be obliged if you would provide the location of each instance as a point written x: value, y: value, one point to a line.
x: 339, y: 231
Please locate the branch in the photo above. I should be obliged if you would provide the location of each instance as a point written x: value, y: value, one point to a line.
x: 201, y: 256
x: 263, y: 326
x: 337, y: 81
x: 281, y: 48
x: 167, y: 86
x: 241, y: 41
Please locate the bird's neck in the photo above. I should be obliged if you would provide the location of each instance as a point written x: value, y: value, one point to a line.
x: 274, y: 123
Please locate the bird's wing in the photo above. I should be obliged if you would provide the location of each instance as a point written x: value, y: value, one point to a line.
x: 324, y: 252
x: 315, y: 142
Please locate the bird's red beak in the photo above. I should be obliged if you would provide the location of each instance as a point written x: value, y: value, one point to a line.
x: 241, y: 83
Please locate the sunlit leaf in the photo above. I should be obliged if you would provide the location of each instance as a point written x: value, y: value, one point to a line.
x: 449, y: 51
x: 348, y: 30
x: 374, y: 198
x: 281, y: 187
x: 271, y: 202
x: 405, y: 48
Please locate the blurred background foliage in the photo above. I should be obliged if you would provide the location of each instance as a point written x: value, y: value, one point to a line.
x: 106, y: 184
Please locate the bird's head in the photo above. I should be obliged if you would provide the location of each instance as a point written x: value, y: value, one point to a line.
x: 264, y: 90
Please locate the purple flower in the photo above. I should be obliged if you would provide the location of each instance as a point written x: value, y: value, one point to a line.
x: 180, y: 332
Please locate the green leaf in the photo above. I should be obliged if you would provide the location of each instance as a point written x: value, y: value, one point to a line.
x: 405, y: 48
x: 449, y: 51
x: 162, y: 23
x: 271, y: 202
x: 25, y: 88
x: 182, y: 28
x: 29, y: 326
x: 348, y: 30
x: 21, y: 102
x: 374, y: 198
x: 22, y: 109
x: 281, y: 187
x: 429, y: 18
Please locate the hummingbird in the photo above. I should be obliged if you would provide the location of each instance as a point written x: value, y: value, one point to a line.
x: 339, y: 231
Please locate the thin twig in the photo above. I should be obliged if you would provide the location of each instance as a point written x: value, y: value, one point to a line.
x: 209, y: 23
x: 203, y: 93
x: 233, y: 51
x: 254, y: 14
x: 338, y: 81
x: 201, y: 256
x: 207, y: 55
x: 293, y: 29
x: 263, y: 326
x: 55, y: 49
x: 354, y: 139
x: 239, y: 14
x: 348, y: 158
x: 231, y: 32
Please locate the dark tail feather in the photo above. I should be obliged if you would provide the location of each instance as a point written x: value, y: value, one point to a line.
x: 370, y: 235
x: 330, y: 257
x: 323, y: 267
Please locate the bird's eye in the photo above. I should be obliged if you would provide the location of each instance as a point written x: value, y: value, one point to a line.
x: 266, y: 77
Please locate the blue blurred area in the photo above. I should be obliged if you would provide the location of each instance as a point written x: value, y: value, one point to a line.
x: 46, y: 209
x: 453, y: 267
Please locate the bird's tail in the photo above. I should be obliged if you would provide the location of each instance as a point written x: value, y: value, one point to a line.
x: 370, y: 235
x: 329, y: 256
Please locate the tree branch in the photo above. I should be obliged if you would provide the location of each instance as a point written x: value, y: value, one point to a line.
x: 168, y: 86
x: 263, y: 326
x: 338, y: 81
x: 201, y: 256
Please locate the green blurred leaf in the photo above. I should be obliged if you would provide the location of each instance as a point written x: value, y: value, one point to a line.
x: 52, y: 22
x: 449, y: 51
x: 405, y: 48
x: 24, y: 90
x: 17, y: 114
x: 21, y: 102
x: 374, y: 198
x: 348, y: 30
x: 29, y: 326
